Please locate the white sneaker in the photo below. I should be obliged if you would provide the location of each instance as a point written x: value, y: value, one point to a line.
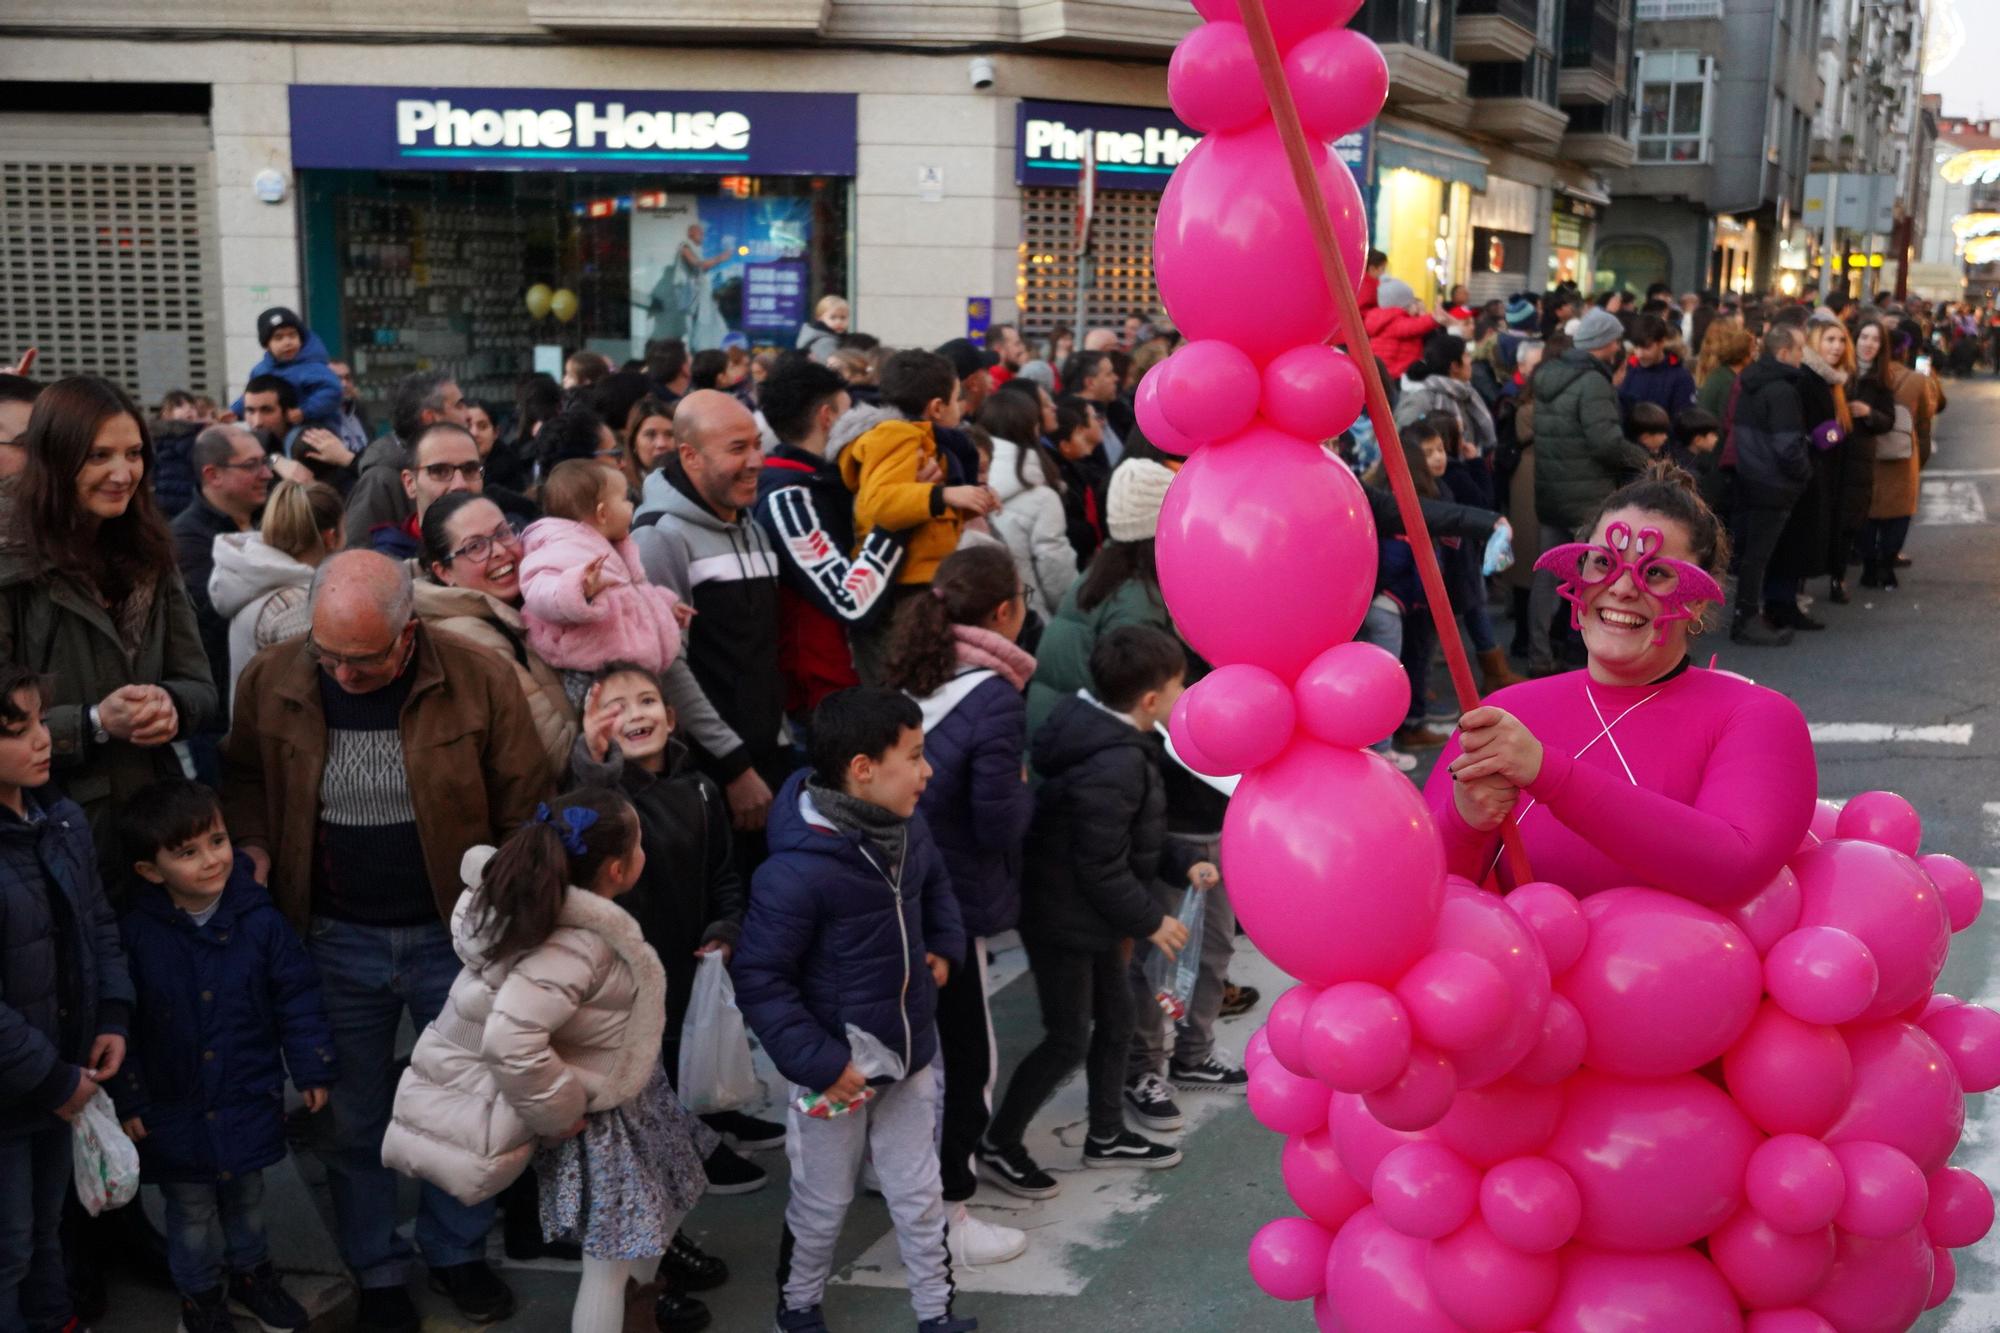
x: 1404, y: 762
x: 976, y: 1244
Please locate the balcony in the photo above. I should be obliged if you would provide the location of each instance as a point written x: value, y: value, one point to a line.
x: 1427, y: 82
x: 611, y: 19
x: 1516, y: 100
x: 1669, y: 11
x: 1593, y: 52
x: 1600, y: 136
x: 1495, y: 30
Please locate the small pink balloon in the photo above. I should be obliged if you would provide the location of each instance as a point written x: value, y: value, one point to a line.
x: 1668, y: 1291
x: 1316, y: 1181
x: 1361, y: 1140
x: 1476, y: 922
x: 1208, y: 390
x: 1185, y: 747
x: 1420, y: 1095
x: 1881, y: 817
x: 1375, y: 1280
x: 1240, y: 716
x: 1352, y: 695
x: 1313, y: 391
x: 1822, y: 974
x: 1284, y: 1103
x: 1785, y: 1321
x: 1339, y: 80
x: 1256, y: 1050
x: 1877, y: 1286
x: 1959, y: 885
x: 1284, y: 1028
x: 1559, y: 1051
x: 1551, y: 911
x: 1795, y: 1183
x: 1503, y: 1120
x: 1356, y: 1037
x: 1152, y: 422
x: 1944, y: 1277
x: 1425, y: 1190
x: 1960, y: 1211
x: 1288, y: 1258
x: 1970, y: 1035
x: 1770, y: 1268
x: 1884, y: 899
x: 1487, y: 1285
x: 1772, y: 913
x: 1531, y: 1204
x: 1886, y: 1194
x: 1212, y: 79
x: 1455, y: 1000
x: 1789, y: 1077
x: 1825, y: 819
x: 1291, y: 20
x: 1905, y: 1095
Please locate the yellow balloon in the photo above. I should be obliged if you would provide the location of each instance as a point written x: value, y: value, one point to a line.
x: 538, y: 299
x: 563, y: 304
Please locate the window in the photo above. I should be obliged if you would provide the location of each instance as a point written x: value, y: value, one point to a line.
x: 1673, y: 106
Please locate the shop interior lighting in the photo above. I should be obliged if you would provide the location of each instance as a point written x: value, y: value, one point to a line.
x: 1968, y: 225
x: 1976, y: 166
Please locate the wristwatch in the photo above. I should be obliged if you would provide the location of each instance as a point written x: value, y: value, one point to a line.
x: 98, y: 734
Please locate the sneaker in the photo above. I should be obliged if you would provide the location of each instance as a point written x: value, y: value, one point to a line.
x: 206, y: 1312
x: 386, y: 1310
x: 1419, y: 738
x: 674, y: 1311
x: 1128, y: 1149
x: 1211, y: 1075
x: 730, y: 1174
x: 1149, y: 1102
x: 1240, y: 999
x: 945, y: 1323
x: 746, y: 1133
x: 1404, y: 761
x: 808, y: 1320
x: 692, y: 1268
x: 977, y: 1244
x: 476, y: 1290
x: 259, y: 1294
x: 1014, y: 1171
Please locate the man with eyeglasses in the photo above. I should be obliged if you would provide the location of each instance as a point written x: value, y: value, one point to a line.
x: 232, y: 477
x: 380, y: 497
x: 362, y: 762
x: 443, y: 458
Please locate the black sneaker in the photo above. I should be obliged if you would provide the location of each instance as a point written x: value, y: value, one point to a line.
x: 1149, y: 1101
x: 692, y: 1268
x: 259, y: 1294
x: 808, y: 1320
x: 1238, y: 999
x: 206, y: 1312
x: 945, y: 1323
x: 1128, y: 1149
x: 746, y: 1133
x: 476, y: 1290
x: 1014, y: 1171
x: 730, y: 1174
x: 1211, y: 1075
x: 386, y: 1310
x: 674, y: 1311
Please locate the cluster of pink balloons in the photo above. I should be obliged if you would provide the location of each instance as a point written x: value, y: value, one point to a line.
x: 1629, y: 1112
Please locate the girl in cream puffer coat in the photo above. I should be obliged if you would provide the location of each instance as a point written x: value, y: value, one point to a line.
x: 548, y: 1050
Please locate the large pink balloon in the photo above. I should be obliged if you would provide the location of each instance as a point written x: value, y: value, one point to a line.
x: 1335, y: 869
x: 1212, y: 79
x: 1487, y: 1285
x: 1425, y: 1190
x: 1881, y: 817
x: 1960, y: 1211
x: 1531, y: 1204
x: 1291, y: 20
x: 1357, y: 1037
x: 1284, y: 1103
x: 1352, y: 695
x: 1970, y: 1035
x: 1375, y: 1279
x: 1885, y: 899
x: 1504, y: 1119
x: 1288, y: 1258
x: 1239, y: 716
x: 1230, y: 224
x: 1795, y: 1183
x: 1877, y: 1286
x: 1886, y: 1194
x: 1659, y: 1162
x: 1339, y: 81
x: 1479, y: 923
x: 1794, y: 1320
x: 1313, y: 1176
x: 1772, y: 913
x: 1822, y: 974
x: 1672, y: 1291
x: 1664, y: 985
x: 1768, y: 1268
x: 1551, y: 911
x: 1456, y: 1000
x: 1260, y: 502
x: 1313, y: 392
x: 1905, y: 1094
x: 1789, y: 1077
x: 1960, y: 886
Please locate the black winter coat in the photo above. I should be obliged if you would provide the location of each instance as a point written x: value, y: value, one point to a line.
x: 1804, y: 546
x: 1768, y: 447
x: 977, y: 805
x: 1099, y: 839
x: 1857, y: 477
x: 1581, y: 453
x: 195, y: 529
x: 174, y: 482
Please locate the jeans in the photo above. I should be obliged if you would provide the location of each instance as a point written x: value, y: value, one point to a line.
x: 1383, y: 627
x: 971, y: 1062
x: 1086, y: 1016
x: 1542, y: 602
x: 192, y: 1209
x: 34, y: 1179
x: 1472, y: 598
x: 1194, y: 1036
x: 369, y: 976
x: 1757, y: 531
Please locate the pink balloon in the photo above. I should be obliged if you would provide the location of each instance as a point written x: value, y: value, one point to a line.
x: 1664, y: 985
x: 1230, y: 223
x: 1335, y: 868
x: 1318, y: 1184
x: 1284, y: 1103
x: 1208, y: 390
x: 1502, y: 1120
x: 1772, y: 913
x: 1212, y: 79
x: 1767, y: 1267
x: 1659, y: 1162
x: 1905, y: 1095
x: 1288, y: 1258
x: 1886, y: 1194
x: 1795, y: 1183
x: 1361, y: 1140
x: 1531, y: 1204
x: 1420, y: 1095
x: 1146, y: 406
x: 1256, y: 1050
x: 1822, y: 974
x: 1339, y: 80
x: 1960, y: 1211
x: 1290, y: 19
x: 1551, y: 911
x: 1559, y: 1051
x: 1970, y: 1035
x: 1672, y: 1291
x: 1185, y: 748
x: 1789, y: 1077
x: 1313, y: 392
x: 1944, y: 1276
x: 1284, y: 1028
x: 1455, y: 1000
x: 1353, y: 694
x: 1877, y: 1286
x: 1881, y: 817
x: 1357, y: 1037
x: 1825, y: 819
x: 1375, y: 1279
x: 1959, y: 885
x: 1240, y: 716
x: 1476, y: 922
x: 1885, y: 900
x: 1425, y: 1190
x: 1786, y: 1321
x: 1487, y: 1285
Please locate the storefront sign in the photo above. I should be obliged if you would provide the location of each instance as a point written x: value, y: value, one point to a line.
x: 1133, y: 147
x: 774, y: 295
x: 540, y: 129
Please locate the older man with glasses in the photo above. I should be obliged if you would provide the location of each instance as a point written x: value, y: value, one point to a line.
x: 363, y: 760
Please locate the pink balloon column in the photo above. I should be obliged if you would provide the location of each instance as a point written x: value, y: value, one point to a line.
x: 1628, y: 1112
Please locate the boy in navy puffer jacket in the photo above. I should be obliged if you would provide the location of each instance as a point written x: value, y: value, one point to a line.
x: 851, y: 929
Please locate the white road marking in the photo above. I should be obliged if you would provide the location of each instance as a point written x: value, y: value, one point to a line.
x: 1955, y: 474
x: 1950, y: 504
x: 1880, y: 733
x: 1992, y: 811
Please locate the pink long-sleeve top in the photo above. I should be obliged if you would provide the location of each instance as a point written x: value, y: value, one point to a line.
x: 1719, y: 794
x: 630, y: 619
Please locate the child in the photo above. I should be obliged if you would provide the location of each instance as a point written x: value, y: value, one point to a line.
x: 827, y: 962
x: 1651, y: 427
x: 819, y: 337
x: 955, y: 653
x: 1399, y: 593
x: 552, y: 1033
x: 584, y: 593
x: 295, y: 354
x: 65, y: 999
x: 1097, y: 845
x: 224, y: 986
x: 1699, y: 435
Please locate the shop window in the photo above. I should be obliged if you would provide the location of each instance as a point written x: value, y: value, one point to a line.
x: 1673, y: 105
x: 1632, y: 264
x: 1122, y: 243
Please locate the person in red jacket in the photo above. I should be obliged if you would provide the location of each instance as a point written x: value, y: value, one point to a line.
x: 1398, y: 326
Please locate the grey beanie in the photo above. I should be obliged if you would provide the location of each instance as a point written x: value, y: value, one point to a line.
x: 1394, y: 294
x: 1598, y: 330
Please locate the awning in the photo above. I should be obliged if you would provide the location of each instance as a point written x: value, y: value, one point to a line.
x: 1431, y: 154
x: 1590, y: 190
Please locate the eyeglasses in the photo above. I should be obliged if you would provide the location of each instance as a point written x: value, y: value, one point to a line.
x: 480, y: 549
x: 442, y: 472
x: 259, y: 464
x: 332, y: 661
x: 613, y: 454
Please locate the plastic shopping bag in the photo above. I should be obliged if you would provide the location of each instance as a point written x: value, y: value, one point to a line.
x: 1172, y: 979
x: 715, y: 1073
x: 868, y: 1055
x: 106, y: 1162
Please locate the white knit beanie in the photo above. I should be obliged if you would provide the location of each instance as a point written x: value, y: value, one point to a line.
x: 1138, y: 489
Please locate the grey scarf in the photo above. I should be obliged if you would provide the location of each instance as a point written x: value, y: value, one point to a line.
x: 887, y: 830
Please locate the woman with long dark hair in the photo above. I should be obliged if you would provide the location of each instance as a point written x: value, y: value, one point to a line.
x: 1031, y: 521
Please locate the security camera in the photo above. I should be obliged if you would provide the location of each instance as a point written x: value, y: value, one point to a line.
x: 981, y: 72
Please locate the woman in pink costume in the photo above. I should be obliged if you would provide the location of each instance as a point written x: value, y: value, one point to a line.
x: 1642, y: 769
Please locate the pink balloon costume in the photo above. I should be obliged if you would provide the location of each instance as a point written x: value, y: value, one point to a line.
x: 1691, y: 1078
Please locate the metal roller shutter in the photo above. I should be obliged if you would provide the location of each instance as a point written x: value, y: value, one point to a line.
x: 1045, y: 286
x: 107, y: 250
